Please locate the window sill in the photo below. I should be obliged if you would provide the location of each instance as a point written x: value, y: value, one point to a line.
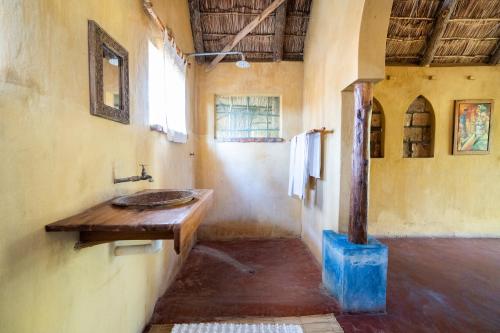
x: 246, y: 140
x: 157, y: 128
x: 175, y: 138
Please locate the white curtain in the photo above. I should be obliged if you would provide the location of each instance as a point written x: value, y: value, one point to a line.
x: 167, y: 91
x: 175, y: 87
x: 156, y: 87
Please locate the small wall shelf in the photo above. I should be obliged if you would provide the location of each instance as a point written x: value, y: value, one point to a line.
x: 106, y: 223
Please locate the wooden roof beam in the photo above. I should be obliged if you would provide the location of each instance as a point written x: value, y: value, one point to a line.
x: 495, y: 56
x: 279, y: 32
x: 245, y: 31
x: 442, y: 18
x: 194, y: 9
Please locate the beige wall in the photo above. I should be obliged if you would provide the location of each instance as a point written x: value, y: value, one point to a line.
x: 448, y: 194
x: 250, y: 179
x: 330, y: 41
x: 345, y: 42
x: 57, y: 160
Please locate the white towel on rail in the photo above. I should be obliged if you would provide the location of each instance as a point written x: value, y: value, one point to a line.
x: 314, y: 158
x: 298, y: 165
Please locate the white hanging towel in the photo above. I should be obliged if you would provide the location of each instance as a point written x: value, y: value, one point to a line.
x: 298, y: 165
x: 314, y: 158
x: 291, y: 169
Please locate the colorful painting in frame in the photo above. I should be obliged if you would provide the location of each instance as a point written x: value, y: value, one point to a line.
x: 472, y: 133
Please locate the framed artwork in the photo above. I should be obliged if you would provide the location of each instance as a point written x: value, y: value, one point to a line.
x: 472, y: 134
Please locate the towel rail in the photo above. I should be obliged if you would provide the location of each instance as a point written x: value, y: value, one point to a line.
x: 320, y: 130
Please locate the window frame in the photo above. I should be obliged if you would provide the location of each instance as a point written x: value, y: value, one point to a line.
x: 173, y: 135
x: 249, y: 140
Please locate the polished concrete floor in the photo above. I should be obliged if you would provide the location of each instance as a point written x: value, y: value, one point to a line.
x: 434, y: 285
x: 438, y: 285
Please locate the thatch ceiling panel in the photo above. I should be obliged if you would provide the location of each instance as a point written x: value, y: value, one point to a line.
x: 251, y: 43
x: 470, y: 36
x: 299, y: 7
x: 251, y: 56
x: 294, y: 56
x: 222, y: 20
x: 477, y: 9
x: 294, y: 44
x: 465, y: 47
x: 410, y: 8
x: 230, y: 23
x: 463, y: 60
x: 409, y: 28
x: 223, y: 38
x: 472, y: 29
x: 239, y: 6
x: 296, y: 25
x: 405, y: 60
x: 406, y: 48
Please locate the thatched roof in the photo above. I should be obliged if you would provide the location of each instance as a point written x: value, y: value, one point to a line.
x: 220, y: 20
x: 471, y: 35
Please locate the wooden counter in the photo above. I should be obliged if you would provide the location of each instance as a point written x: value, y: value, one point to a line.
x: 107, y: 223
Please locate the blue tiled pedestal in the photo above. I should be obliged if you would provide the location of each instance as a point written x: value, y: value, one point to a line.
x: 355, y: 274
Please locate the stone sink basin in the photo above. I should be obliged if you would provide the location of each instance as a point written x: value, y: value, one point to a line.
x: 156, y: 198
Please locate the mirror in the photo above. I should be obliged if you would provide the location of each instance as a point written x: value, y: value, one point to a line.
x: 108, y: 73
x: 111, y: 78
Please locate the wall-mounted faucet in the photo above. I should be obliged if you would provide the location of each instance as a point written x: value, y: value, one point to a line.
x: 144, y: 176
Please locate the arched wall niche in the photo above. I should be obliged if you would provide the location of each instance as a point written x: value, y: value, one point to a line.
x: 418, y: 141
x: 377, y: 130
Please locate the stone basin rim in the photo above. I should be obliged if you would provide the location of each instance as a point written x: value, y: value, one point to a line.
x: 155, y: 198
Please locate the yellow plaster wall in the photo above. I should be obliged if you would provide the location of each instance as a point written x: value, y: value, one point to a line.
x: 330, y: 58
x: 250, y: 179
x: 447, y: 195
x: 343, y: 45
x: 57, y: 160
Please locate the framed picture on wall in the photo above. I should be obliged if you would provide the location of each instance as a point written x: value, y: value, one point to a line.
x: 472, y: 134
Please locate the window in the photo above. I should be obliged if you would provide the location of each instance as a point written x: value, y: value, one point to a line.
x: 247, y: 118
x: 167, y: 92
x: 419, y: 129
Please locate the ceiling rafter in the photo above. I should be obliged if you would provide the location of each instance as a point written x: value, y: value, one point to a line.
x: 443, y: 16
x: 279, y: 32
x: 245, y: 31
x: 495, y: 57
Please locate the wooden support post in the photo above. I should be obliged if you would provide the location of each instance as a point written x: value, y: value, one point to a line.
x: 358, y: 215
x: 279, y: 32
x: 442, y: 18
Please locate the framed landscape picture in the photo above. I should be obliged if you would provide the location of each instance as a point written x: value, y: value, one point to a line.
x: 472, y: 134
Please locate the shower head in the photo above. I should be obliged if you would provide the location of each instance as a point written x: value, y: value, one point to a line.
x: 240, y: 63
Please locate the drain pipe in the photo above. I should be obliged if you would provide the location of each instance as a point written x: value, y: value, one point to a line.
x: 154, y: 247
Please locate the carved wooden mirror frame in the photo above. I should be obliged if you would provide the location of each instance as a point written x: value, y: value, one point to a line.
x: 98, y: 39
